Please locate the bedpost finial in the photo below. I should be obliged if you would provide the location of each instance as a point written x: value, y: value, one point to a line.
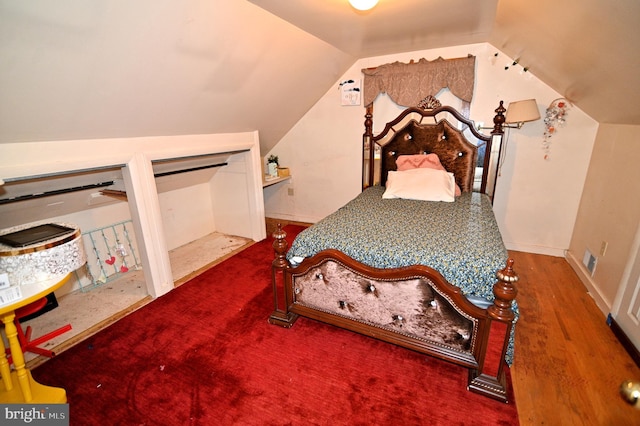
x: 507, y: 274
x: 278, y: 232
x: 499, y: 118
x: 280, y: 247
x: 368, y: 121
x: 505, y: 292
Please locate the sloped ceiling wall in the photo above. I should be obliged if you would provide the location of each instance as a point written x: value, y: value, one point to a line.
x: 88, y: 70
x: 587, y: 50
x: 74, y: 69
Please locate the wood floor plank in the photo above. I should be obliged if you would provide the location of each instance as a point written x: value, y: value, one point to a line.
x: 568, y: 365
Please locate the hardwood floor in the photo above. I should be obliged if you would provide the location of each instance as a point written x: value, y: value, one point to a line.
x: 568, y: 365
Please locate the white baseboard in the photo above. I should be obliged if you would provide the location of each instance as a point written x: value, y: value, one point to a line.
x: 527, y: 248
x: 589, y: 283
x: 292, y: 218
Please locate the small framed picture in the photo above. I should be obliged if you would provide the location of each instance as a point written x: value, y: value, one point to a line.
x: 350, y: 92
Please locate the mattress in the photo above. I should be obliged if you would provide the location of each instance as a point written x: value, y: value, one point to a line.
x: 461, y: 239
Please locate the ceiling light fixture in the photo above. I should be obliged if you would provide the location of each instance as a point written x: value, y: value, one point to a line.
x: 363, y: 4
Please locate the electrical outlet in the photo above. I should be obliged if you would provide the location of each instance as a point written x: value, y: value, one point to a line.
x: 603, y: 248
x: 290, y: 191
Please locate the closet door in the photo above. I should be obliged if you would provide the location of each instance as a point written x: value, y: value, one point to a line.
x: 626, y: 308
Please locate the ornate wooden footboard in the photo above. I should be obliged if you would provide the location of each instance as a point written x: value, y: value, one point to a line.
x: 414, y: 307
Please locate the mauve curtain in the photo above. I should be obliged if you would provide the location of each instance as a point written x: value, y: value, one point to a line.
x: 408, y: 84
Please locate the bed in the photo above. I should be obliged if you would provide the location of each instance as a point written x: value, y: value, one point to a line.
x: 431, y: 275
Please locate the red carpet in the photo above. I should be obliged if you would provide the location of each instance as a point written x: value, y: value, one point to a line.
x: 205, y: 355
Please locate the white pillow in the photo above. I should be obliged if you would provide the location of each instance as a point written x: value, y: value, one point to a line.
x: 421, y: 184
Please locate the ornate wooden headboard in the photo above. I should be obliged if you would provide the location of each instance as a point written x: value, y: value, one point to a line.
x: 471, y: 156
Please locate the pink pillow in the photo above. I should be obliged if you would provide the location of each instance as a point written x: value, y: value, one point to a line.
x: 422, y: 161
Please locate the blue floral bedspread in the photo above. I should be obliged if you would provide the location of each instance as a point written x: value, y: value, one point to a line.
x: 461, y: 240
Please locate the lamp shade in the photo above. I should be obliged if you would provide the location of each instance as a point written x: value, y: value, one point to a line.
x: 522, y: 111
x: 363, y: 4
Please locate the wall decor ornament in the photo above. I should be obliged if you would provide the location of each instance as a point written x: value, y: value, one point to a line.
x: 509, y: 64
x: 555, y: 117
x: 350, y: 92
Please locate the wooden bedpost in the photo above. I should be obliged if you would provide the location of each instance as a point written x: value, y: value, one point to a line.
x: 280, y: 316
x: 367, y: 144
x: 280, y: 247
x: 489, y: 379
x: 368, y: 121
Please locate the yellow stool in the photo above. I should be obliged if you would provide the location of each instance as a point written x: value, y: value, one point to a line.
x: 18, y: 386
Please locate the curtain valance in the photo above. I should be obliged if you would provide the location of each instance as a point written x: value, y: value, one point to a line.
x: 407, y: 84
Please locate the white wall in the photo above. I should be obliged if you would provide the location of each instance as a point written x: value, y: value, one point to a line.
x: 107, y: 69
x: 186, y: 214
x: 536, y: 199
x: 609, y: 213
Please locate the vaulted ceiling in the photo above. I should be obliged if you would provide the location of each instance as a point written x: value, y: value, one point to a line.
x: 588, y: 50
x: 87, y: 70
